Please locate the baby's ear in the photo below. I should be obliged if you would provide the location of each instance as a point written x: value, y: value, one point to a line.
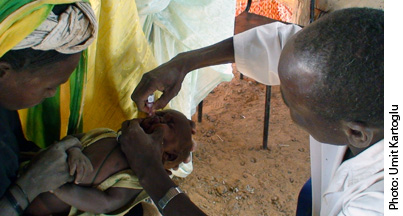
x: 193, y: 126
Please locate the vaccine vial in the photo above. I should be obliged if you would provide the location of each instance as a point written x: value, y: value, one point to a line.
x: 150, y: 101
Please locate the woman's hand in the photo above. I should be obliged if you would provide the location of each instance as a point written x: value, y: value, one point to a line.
x: 48, y: 170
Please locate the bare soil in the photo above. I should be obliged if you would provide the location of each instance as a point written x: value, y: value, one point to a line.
x: 233, y: 174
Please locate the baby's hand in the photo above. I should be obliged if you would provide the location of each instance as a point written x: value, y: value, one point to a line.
x: 78, y: 163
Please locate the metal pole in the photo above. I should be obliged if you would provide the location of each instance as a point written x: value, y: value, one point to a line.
x: 312, y: 10
x: 200, y: 111
x: 266, y: 117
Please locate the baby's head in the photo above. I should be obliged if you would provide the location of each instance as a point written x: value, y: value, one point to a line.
x: 177, y: 141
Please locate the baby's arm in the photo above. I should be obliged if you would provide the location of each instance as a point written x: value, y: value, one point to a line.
x: 78, y: 163
x: 90, y: 199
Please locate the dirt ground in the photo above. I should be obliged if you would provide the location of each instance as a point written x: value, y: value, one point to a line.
x: 232, y: 174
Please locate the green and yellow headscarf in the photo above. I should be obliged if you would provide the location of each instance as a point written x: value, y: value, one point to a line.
x: 107, y: 75
x: 19, y: 18
x: 18, y: 21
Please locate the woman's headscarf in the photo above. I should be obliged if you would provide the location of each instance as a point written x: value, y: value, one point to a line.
x: 32, y: 24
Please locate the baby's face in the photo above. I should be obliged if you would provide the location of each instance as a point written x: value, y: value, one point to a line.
x: 177, y: 141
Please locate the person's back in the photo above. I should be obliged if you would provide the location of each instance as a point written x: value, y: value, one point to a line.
x: 331, y: 77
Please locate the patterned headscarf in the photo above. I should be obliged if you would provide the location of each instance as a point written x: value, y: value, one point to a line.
x: 70, y: 32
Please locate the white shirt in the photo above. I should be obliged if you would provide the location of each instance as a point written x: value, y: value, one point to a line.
x: 257, y: 51
x: 354, y: 187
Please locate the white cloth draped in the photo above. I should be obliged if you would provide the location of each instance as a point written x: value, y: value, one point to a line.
x: 175, y: 26
x: 147, y: 7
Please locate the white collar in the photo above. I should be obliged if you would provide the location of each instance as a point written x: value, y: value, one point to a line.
x: 358, y: 168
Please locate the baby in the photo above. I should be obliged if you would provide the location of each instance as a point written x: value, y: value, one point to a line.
x: 111, y: 187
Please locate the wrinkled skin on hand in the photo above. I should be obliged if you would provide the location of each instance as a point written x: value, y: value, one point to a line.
x: 166, y: 78
x: 145, y: 150
x: 48, y: 170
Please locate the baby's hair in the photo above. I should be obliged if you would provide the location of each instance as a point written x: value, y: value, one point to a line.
x: 345, y: 48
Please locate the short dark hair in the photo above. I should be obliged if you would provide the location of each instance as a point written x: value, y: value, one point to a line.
x: 30, y: 58
x: 346, y: 49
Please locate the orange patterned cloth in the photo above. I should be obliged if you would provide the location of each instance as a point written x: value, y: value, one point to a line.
x: 269, y: 8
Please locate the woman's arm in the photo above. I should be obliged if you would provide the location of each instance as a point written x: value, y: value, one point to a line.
x: 7, y: 207
x: 93, y: 200
x: 47, y: 171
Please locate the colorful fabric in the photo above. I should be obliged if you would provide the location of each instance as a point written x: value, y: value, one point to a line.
x: 107, y: 75
x: 70, y: 32
x: 117, y: 60
x: 274, y: 9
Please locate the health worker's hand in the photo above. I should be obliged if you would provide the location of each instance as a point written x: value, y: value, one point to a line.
x: 141, y: 149
x: 166, y: 78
